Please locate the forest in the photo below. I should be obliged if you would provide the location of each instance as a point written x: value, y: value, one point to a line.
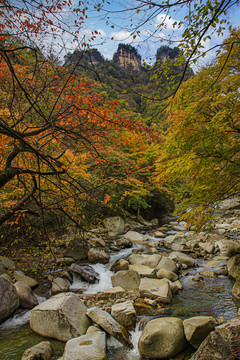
x: 84, y: 138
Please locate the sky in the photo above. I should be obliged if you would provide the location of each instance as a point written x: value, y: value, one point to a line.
x: 114, y: 25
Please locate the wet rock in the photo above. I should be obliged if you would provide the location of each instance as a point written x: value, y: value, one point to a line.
x: 112, y: 293
x: 157, y: 233
x: 77, y: 249
x: 236, y: 289
x: 168, y: 264
x: 158, y: 290
x: 163, y: 273
x: 175, y: 242
x: 86, y: 347
x: 162, y: 338
x: 26, y: 279
x: 120, y: 265
x: 9, y: 299
x: 27, y: 299
x: 197, y: 328
x: 182, y: 258
x: 135, y: 237
x: 98, y: 256
x: 208, y: 274
x: 208, y: 248
x: 123, y: 243
x: 59, y: 285
x: 142, y: 259
x: 221, y: 344
x: 86, y: 272
x: 228, y: 247
x: 61, y: 317
x: 110, y: 325
x: 197, y: 278
x: 115, y: 225
x: 125, y: 314
x: 128, y: 279
x: 41, y: 351
x: 233, y: 267
x: 143, y: 271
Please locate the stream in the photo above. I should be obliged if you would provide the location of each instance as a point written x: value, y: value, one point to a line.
x: 210, y: 297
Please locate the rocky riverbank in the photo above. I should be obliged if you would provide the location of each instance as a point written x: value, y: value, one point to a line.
x: 143, y: 283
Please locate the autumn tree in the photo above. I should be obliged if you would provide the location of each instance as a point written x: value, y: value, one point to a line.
x: 201, y: 159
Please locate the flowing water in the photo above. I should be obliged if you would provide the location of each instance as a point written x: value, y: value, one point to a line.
x: 210, y: 297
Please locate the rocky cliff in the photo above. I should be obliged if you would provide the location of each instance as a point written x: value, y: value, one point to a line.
x: 127, y: 58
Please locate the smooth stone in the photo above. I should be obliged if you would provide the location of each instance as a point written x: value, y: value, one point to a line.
x: 27, y: 299
x: 168, y: 264
x: 142, y: 259
x: 59, y: 285
x: 197, y: 328
x: 163, y: 273
x: 9, y: 299
x: 143, y: 271
x: 182, y: 258
x: 156, y: 289
x: 41, y: 351
x: 125, y: 314
x: 127, y: 279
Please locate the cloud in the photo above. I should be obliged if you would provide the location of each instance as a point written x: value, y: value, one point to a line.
x: 168, y: 22
x: 122, y: 35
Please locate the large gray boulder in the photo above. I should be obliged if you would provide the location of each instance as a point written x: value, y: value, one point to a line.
x: 135, y: 237
x: 125, y: 314
x: 9, y: 299
x: 5, y: 265
x: 98, y: 256
x: 59, y: 285
x: 233, y: 267
x: 147, y: 260
x: 166, y: 274
x: 228, y: 247
x: 182, y: 258
x: 27, y: 299
x: 221, y: 344
x: 175, y: 242
x: 126, y: 279
x: 61, y: 317
x: 197, y: 328
x: 26, y: 279
x: 77, y: 249
x: 110, y: 325
x: 86, y: 272
x: 115, y: 225
x: 41, y: 351
x: 236, y: 289
x: 162, y: 338
x: 86, y: 347
x: 156, y: 289
x: 168, y: 264
x: 143, y: 271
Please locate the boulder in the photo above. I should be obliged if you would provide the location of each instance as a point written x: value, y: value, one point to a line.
x: 27, y: 299
x: 112, y: 293
x: 221, y: 344
x: 148, y: 260
x: 77, y: 249
x: 162, y: 338
x: 61, y: 317
x: 26, y: 279
x: 175, y: 242
x: 228, y: 204
x: 98, y: 256
x: 86, y: 272
x: 41, y: 351
x: 182, y: 258
x: 207, y: 247
x: 123, y: 243
x: 5, y: 265
x: 86, y: 347
x: 157, y: 233
x: 59, y: 285
x: 233, y: 267
x: 156, y: 289
x: 197, y: 328
x: 96, y: 242
x: 110, y: 325
x: 9, y: 299
x: 120, y: 265
x: 127, y: 279
x: 168, y: 264
x: 125, y: 314
x: 115, y: 225
x: 163, y: 273
x: 228, y: 247
x: 208, y: 274
x: 236, y: 289
x: 143, y: 271
x: 135, y: 237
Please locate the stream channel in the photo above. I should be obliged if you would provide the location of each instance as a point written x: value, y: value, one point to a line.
x: 210, y: 297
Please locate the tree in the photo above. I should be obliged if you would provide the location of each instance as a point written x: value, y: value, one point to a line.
x: 201, y: 158
x: 200, y: 20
